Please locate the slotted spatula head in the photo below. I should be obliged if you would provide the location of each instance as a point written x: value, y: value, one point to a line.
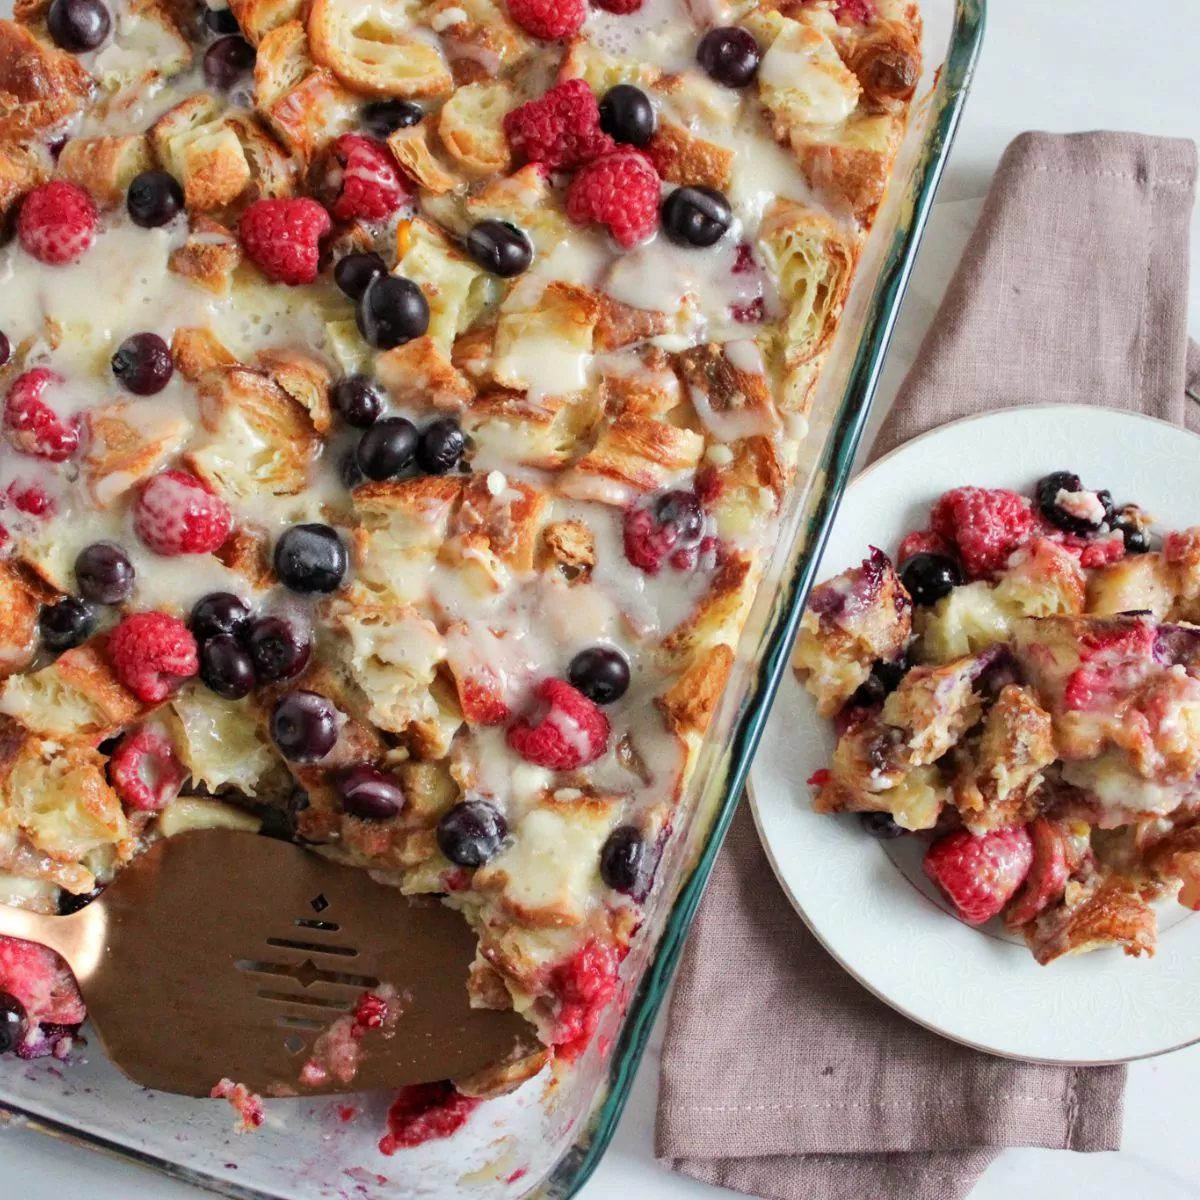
x: 219, y: 954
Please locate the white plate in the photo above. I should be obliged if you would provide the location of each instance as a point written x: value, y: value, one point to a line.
x: 868, y: 902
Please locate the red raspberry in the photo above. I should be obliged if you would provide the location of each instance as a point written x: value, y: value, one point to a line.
x: 985, y: 524
x: 1047, y: 876
x: 752, y: 313
x: 371, y: 186
x: 282, y: 237
x: 481, y: 702
x: 41, y: 981
x: 744, y: 262
x: 620, y: 191
x: 1113, y: 658
x: 30, y: 498
x: 146, y: 771
x: 57, y: 222
x: 562, y: 129
x: 176, y: 514
x: 979, y: 875
x: 371, y: 1012
x: 151, y: 652
x: 620, y: 7
x: 1095, y: 552
x: 658, y: 532
x: 422, y: 1112
x: 584, y: 985
x: 550, y: 20
x: 34, y: 427
x: 922, y: 541
x: 572, y: 731
x: 857, y: 12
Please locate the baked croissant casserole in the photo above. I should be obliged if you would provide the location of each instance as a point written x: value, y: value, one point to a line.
x: 398, y: 403
x: 1024, y: 692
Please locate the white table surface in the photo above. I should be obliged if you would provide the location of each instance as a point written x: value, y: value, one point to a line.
x: 1050, y: 64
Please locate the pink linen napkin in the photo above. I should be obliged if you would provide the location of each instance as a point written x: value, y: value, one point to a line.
x: 781, y: 1076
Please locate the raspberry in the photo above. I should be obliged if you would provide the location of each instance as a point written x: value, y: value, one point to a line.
x: 34, y: 427
x: 858, y: 12
x: 1094, y: 552
x: 481, y: 701
x: 620, y: 191
x: 57, y: 222
x: 1047, y: 875
x: 668, y: 529
x: 41, y: 981
x: 372, y: 188
x: 752, y: 313
x: 584, y: 985
x: 985, y: 524
x: 922, y: 541
x: 151, y: 652
x: 422, y: 1112
x: 145, y: 771
x: 979, y: 875
x: 571, y: 733
x: 550, y: 20
x: 176, y: 514
x: 743, y: 262
x: 620, y: 7
x: 562, y: 129
x: 282, y: 237
x: 1113, y: 657
x: 30, y: 498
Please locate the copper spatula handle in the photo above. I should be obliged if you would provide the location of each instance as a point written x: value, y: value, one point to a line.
x: 79, y: 938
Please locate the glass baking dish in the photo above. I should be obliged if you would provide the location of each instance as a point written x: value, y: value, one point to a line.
x: 547, y: 1138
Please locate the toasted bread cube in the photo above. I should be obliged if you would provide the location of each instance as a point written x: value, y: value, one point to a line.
x: 471, y: 126
x: 853, y: 163
x: 258, y: 18
x: 544, y: 346
x: 272, y: 169
x: 420, y: 374
x: 619, y: 325
x: 209, y: 257
x: 220, y: 741
x: 40, y: 86
x: 18, y: 621
x: 684, y: 158
x: 506, y: 427
x: 723, y: 607
x: 197, y: 146
x: 689, y: 703
x: 61, y: 799
x: 1105, y: 913
x: 197, y: 351
x: 640, y: 453
x: 965, y: 621
x: 105, y: 166
x: 603, y: 71
x: 476, y: 34
x: 305, y: 378
x: 456, y: 289
x: 22, y: 168
x: 570, y: 548
x: 802, y: 80
x: 262, y: 441
x: 1139, y: 581
x: 370, y: 48
x: 413, y: 152
x: 312, y: 113
x: 749, y: 478
x: 934, y: 707
x: 547, y: 873
x: 727, y: 385
x: 1041, y: 580
x: 282, y: 63
x: 127, y: 442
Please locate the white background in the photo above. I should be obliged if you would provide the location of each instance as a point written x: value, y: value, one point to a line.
x: 1047, y: 64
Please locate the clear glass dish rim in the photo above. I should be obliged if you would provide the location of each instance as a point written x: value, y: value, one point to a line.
x: 577, y: 1163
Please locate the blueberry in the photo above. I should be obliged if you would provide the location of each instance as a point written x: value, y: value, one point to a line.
x: 392, y: 311
x: 65, y: 624
x: 310, y: 558
x: 627, y: 115
x: 682, y: 510
x: 884, y: 679
x: 220, y: 612
x: 13, y: 1022
x: 143, y: 364
x: 729, y: 55
x: 880, y: 825
x: 929, y: 577
x: 696, y: 216
x: 1137, y: 539
x: 226, y: 666
x: 104, y: 573
x: 622, y: 858
x: 471, y: 833
x: 153, y: 199
x: 1047, y: 503
x: 349, y: 470
x: 221, y: 21
x: 70, y: 902
x: 278, y: 649
x: 384, y: 117
x: 226, y: 61
x: 5, y: 349
x: 600, y: 673
x: 387, y: 448
x: 370, y: 793
x: 500, y: 248
x: 358, y: 400
x: 354, y: 272
x: 440, y: 447
x: 78, y: 25
x: 304, y: 726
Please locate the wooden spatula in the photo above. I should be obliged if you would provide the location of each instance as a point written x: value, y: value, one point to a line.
x: 219, y: 954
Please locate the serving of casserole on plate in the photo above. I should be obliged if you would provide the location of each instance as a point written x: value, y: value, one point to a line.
x: 401, y: 406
